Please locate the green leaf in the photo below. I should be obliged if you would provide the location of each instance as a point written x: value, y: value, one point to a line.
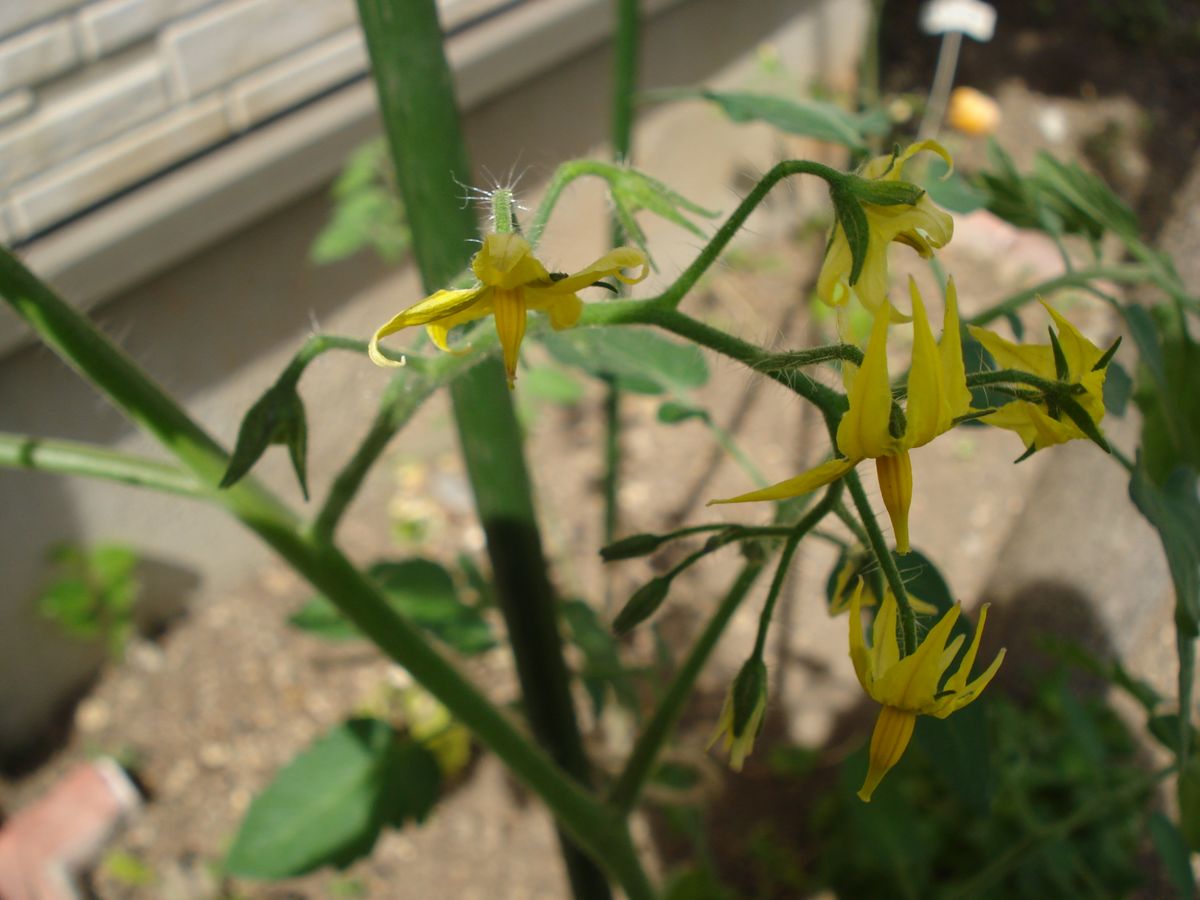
x: 1174, y: 511
x: 810, y: 118
x: 1189, y: 802
x: 853, y: 219
x: 602, y: 662
x: 276, y: 418
x: 328, y: 805
x: 412, y: 783
x: 1118, y: 388
x: 632, y: 191
x: 959, y: 743
x: 955, y: 192
x: 551, y: 385
x: 672, y: 413
x: 1173, y: 851
x: 419, y: 589
x: 695, y: 884
x: 637, y: 358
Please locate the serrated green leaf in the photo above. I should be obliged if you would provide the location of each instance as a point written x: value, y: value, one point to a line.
x: 1173, y: 851
x: 421, y: 590
x: 636, y: 358
x: 602, y: 662
x: 326, y: 807
x: 810, y: 118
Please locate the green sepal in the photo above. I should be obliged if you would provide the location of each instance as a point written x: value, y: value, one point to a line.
x: 853, y: 219
x: 1104, y: 360
x: 884, y: 193
x: 1079, y: 416
x: 642, y: 605
x: 749, y: 694
x: 1061, y: 370
x: 277, y: 417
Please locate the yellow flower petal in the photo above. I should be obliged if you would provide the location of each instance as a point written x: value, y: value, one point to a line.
x: 439, y: 305
x: 863, y: 431
x: 506, y: 260
x: 896, y: 486
x: 957, y: 395
x: 859, y: 654
x: 889, y: 740
x: 923, y: 411
x: 1081, y: 354
x: 509, y: 308
x: 805, y: 483
x: 610, y: 264
x: 1037, y: 359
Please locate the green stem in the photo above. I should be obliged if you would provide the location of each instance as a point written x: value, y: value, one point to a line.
x: 625, y: 50
x: 797, y: 359
x: 641, y: 762
x: 1185, y: 645
x: 316, y: 345
x: 21, y: 451
x: 612, y: 458
x: 402, y: 398
x: 823, y: 507
x: 655, y: 312
x: 1079, y: 278
x: 672, y: 296
x: 88, y: 351
x: 883, y: 554
x: 421, y: 119
x: 1016, y: 376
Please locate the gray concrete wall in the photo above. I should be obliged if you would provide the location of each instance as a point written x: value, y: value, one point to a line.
x: 217, y: 329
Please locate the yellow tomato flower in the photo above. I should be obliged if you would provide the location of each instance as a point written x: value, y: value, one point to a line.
x: 1037, y: 426
x: 910, y: 686
x: 937, y: 395
x: 750, y: 687
x: 922, y: 226
x: 511, y: 281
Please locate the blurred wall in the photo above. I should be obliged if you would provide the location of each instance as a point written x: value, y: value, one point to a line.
x: 217, y: 329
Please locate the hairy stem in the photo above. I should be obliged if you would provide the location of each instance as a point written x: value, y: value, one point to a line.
x: 22, y: 451
x: 877, y: 544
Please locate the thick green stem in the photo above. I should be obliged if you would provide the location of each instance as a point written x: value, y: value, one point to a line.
x: 22, y: 451
x: 402, y: 398
x: 640, y: 765
x: 1185, y: 645
x: 113, y: 373
x: 877, y: 544
x: 421, y: 118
